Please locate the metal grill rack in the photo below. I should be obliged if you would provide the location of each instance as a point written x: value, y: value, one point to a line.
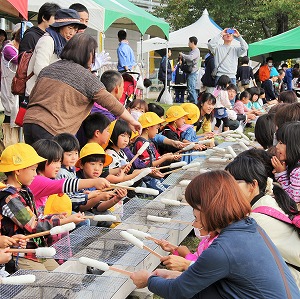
x: 136, y: 212
x: 57, y: 285
x: 103, y: 244
x: 175, y: 178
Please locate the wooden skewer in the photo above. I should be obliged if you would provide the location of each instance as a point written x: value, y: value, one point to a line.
x: 125, y: 272
x: 152, y: 251
x: 21, y: 250
x: 114, y: 186
x: 172, y: 171
x: 40, y: 234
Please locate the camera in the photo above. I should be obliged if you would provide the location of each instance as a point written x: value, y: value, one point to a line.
x: 230, y: 31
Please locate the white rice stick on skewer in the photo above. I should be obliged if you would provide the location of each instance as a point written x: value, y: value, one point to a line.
x: 41, y: 252
x: 126, y: 183
x: 138, y: 243
x: 102, y: 218
x: 173, y: 165
x: 217, y: 160
x: 251, y: 134
x: 205, y: 141
x: 140, y: 151
x: 18, y: 279
x: 203, y: 170
x: 219, y: 149
x: 53, y: 231
x: 136, y: 189
x: 228, y: 156
x: 231, y: 151
x: 143, y: 173
x: 234, y: 135
x: 141, y: 235
x: 243, y: 145
x: 172, y: 202
x: 247, y: 142
x: 184, y: 182
x: 244, y: 136
x: 166, y: 220
x: 191, y: 165
x: 101, y: 266
x: 225, y: 133
x: 187, y: 148
x: 198, y: 153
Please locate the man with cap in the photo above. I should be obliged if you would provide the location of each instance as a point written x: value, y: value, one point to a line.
x: 48, y: 48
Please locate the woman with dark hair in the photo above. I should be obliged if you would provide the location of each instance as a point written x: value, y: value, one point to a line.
x: 65, y: 93
x: 260, y: 191
x: 286, y: 113
x: 265, y: 129
x: 240, y: 263
x: 288, y: 96
x: 206, y: 104
x: 50, y: 45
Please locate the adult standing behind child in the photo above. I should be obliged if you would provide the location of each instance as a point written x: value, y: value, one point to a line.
x: 125, y: 54
x: 51, y: 44
x: 65, y: 92
x: 192, y: 60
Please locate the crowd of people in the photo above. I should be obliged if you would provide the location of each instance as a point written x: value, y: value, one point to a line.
x: 79, y: 140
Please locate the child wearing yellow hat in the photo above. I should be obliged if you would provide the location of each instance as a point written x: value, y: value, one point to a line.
x: 175, y: 118
x: 18, y: 211
x: 188, y: 133
x: 150, y: 122
x: 91, y: 161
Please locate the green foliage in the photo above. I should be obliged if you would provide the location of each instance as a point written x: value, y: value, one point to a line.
x: 255, y: 19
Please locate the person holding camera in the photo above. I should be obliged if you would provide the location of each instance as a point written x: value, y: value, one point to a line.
x: 226, y: 55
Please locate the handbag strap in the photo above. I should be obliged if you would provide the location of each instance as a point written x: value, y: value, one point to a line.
x: 224, y: 58
x: 279, y: 265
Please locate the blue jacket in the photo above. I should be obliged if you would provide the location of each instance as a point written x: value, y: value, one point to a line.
x: 288, y: 78
x: 162, y: 70
x: 238, y: 263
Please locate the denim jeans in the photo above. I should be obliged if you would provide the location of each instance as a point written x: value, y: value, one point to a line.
x: 191, y: 87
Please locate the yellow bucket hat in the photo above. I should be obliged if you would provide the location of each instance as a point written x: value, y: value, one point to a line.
x: 93, y: 148
x: 149, y: 119
x: 57, y: 204
x: 193, y: 113
x: 19, y: 156
x: 174, y: 113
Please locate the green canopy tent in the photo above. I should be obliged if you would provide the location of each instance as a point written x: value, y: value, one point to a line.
x: 280, y: 47
x: 124, y: 14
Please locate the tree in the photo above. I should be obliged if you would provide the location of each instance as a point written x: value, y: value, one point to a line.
x: 255, y: 19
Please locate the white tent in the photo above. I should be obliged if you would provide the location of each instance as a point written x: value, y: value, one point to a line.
x: 204, y: 29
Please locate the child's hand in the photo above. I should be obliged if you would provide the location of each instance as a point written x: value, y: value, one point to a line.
x: 156, y: 173
x: 5, y: 256
x: 167, y: 157
x: 251, y: 116
x: 199, y: 147
x: 127, y: 168
x: 177, y: 157
x: 7, y: 242
x: 21, y: 241
x: 101, y: 183
x: 209, y: 135
x: 278, y: 165
x: 121, y: 192
x: 105, y: 196
x: 76, y: 218
x: 178, y: 144
x: 94, y: 193
x: 175, y: 262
